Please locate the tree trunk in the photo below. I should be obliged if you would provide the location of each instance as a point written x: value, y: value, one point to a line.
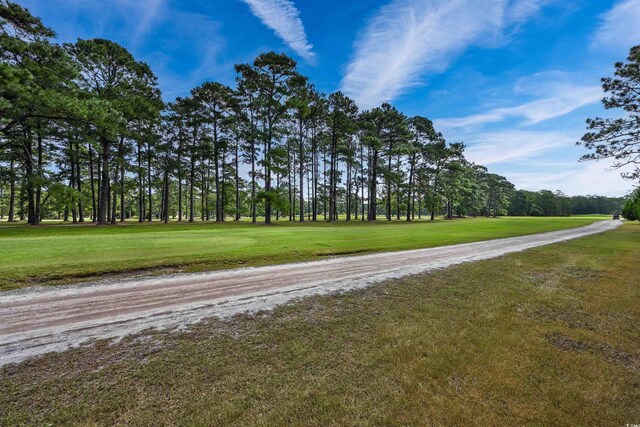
x: 72, y: 179
x: 12, y: 191
x: 278, y: 188
x: 99, y: 185
x: 141, y: 202
x: 149, y: 182
x: 292, y: 178
x: 180, y: 140
x: 314, y: 178
x: 40, y: 174
x: 362, y: 182
x: 308, y: 195
x: 192, y: 179
x: 267, y: 182
x: 204, y: 208
x: 121, y: 171
x: 389, y: 188
x: 397, y: 184
x: 324, y: 184
x: 162, y: 198
x: 413, y: 202
x: 122, y: 190
x: 356, y: 194
x: 332, y: 176
x: 290, y: 165
x: 114, y: 203
x: 410, y: 193
x: 94, y: 211
x: 104, y: 186
x: 237, y: 182
x: 373, y: 167
x: 223, y: 183
x: 79, y: 183
x: 216, y: 154
x: 165, y: 209
x: 301, y: 171
x: 32, y: 218
x: 348, y: 191
x: 253, y: 183
x: 22, y: 199
x: 358, y: 201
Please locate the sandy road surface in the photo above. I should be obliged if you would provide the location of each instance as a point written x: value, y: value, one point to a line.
x: 39, y: 320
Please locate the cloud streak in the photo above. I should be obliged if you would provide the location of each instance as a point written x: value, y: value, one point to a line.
x: 410, y: 38
x: 523, y: 156
x: 520, y: 11
x: 149, y: 12
x: 284, y: 19
x: 584, y: 178
x: 126, y: 21
x: 205, y: 59
x: 563, y: 101
x: 514, y: 145
x: 620, y: 26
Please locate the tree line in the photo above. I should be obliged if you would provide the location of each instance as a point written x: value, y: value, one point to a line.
x: 556, y: 203
x: 86, y: 136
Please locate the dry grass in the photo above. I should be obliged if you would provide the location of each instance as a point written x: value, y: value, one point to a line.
x: 547, y: 337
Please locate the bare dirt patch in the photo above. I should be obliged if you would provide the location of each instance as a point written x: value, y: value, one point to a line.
x: 605, y: 350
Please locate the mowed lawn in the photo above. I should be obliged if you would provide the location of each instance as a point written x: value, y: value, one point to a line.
x: 547, y: 336
x: 56, y: 254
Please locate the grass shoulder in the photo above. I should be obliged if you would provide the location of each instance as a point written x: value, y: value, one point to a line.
x: 51, y: 255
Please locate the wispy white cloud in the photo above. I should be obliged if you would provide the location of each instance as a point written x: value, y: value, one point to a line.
x: 408, y: 39
x: 537, y: 160
x: 149, y: 11
x: 520, y: 11
x: 523, y: 157
x: 563, y: 101
x: 284, y: 19
x: 620, y: 26
x: 532, y: 156
x: 203, y: 36
x: 125, y: 20
x: 578, y: 179
x: 513, y: 145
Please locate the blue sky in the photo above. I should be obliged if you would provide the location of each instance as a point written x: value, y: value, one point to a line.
x: 513, y: 79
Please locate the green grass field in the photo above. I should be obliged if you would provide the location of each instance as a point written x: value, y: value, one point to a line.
x: 56, y: 254
x: 547, y: 336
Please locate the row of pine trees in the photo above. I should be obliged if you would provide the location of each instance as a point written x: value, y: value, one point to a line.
x: 85, y: 136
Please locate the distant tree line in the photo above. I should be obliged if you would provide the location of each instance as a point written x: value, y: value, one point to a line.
x: 85, y: 136
x: 556, y: 203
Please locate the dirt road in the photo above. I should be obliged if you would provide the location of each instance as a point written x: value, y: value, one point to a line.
x: 34, y: 321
